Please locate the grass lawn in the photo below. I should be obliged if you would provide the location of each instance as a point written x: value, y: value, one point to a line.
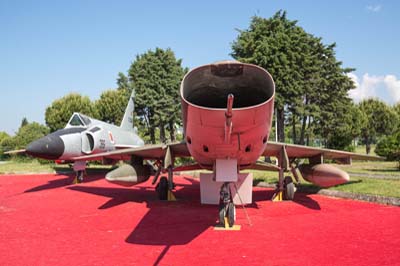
x: 361, y: 149
x: 15, y: 167
x: 385, y: 181
x: 381, y: 169
x: 373, y: 178
x: 28, y: 167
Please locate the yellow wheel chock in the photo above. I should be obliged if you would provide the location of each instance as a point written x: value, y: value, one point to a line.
x: 278, y: 196
x: 170, y: 196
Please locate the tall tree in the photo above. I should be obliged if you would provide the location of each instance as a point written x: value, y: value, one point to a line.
x: 155, y: 76
x: 24, y: 122
x: 274, y: 44
x: 389, y: 147
x: 111, y: 106
x: 28, y: 133
x: 310, y: 82
x: 60, y: 111
x: 123, y: 82
x: 25, y: 134
x: 345, y: 128
x: 381, y: 121
x: 3, y: 137
x: 396, y: 109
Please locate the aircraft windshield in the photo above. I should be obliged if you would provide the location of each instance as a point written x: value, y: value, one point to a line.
x: 86, y: 120
x: 75, y: 121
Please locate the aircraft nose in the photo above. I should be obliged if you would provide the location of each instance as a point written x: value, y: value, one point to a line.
x: 49, y: 147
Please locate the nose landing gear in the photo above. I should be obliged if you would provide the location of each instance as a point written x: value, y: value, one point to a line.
x: 227, y: 210
x: 79, y: 177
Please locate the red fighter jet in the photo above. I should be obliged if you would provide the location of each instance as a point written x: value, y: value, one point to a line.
x: 227, y: 111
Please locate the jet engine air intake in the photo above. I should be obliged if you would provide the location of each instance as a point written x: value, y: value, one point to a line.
x: 209, y: 86
x: 94, y: 140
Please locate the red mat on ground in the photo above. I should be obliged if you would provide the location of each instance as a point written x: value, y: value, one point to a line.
x: 46, y: 221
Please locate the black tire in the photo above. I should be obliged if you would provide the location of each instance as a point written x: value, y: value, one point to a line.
x: 289, y: 188
x: 162, y: 188
x: 79, y: 177
x: 231, y: 214
x: 222, y: 214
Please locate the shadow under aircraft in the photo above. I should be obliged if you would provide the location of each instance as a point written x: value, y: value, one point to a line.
x: 227, y: 113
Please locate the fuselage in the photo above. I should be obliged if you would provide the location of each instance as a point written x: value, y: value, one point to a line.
x: 82, y: 136
x: 214, y: 131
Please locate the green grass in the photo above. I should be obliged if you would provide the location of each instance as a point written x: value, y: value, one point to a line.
x: 388, y: 183
x: 361, y: 181
x: 381, y: 169
x: 361, y: 149
x: 371, y: 186
x: 16, y: 167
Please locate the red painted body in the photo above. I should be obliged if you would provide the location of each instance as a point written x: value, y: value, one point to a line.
x: 206, y: 120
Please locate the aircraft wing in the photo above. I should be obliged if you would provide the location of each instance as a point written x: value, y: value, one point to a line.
x: 147, y: 152
x: 298, y: 151
x: 179, y: 149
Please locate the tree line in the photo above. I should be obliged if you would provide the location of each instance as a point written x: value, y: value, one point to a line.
x: 312, y: 105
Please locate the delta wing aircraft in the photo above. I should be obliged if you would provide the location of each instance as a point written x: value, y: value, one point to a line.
x: 227, y: 111
x: 84, y: 135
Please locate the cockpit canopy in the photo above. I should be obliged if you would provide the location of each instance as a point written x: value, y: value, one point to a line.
x: 79, y: 120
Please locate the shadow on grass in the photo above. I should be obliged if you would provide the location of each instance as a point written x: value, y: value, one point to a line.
x: 313, y: 189
x: 390, y: 170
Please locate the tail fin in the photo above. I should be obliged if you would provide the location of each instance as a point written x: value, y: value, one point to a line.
x: 127, y: 121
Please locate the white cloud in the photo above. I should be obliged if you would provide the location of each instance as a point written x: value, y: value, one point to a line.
x: 374, y: 8
x: 393, y: 85
x: 386, y: 88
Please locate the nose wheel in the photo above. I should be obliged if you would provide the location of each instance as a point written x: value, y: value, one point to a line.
x: 227, y: 210
x: 78, y: 177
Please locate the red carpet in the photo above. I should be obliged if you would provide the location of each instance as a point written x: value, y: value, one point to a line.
x: 45, y: 221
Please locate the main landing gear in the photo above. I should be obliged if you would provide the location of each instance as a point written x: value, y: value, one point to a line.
x: 165, y: 186
x: 286, y: 189
x: 227, y: 210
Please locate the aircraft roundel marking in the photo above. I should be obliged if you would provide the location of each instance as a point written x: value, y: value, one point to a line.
x: 111, y: 137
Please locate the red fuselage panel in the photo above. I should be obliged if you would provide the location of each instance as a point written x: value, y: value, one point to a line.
x: 204, y: 93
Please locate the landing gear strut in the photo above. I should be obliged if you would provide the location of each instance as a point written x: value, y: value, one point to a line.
x: 227, y: 210
x: 79, y: 168
x: 78, y: 177
x: 286, y: 187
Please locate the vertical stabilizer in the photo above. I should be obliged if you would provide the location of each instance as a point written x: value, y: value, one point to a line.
x: 127, y: 121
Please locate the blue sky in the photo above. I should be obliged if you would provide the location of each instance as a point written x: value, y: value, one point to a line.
x: 51, y: 48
